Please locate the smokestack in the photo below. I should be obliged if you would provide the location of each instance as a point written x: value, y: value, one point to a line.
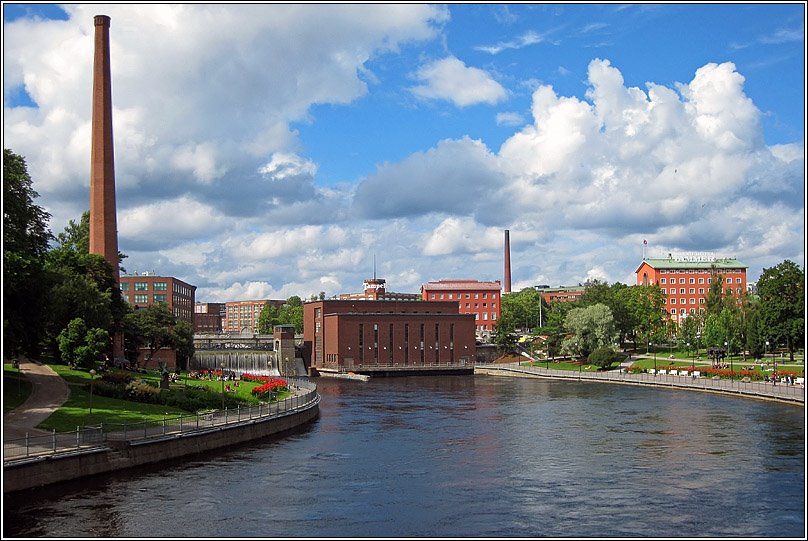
x: 507, y: 262
x: 103, y: 219
x: 103, y: 216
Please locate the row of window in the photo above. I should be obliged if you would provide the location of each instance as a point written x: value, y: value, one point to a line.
x: 485, y: 305
x: 699, y: 271
x: 144, y: 299
x: 460, y: 295
x: 684, y: 301
x: 684, y: 311
x: 485, y: 316
x: 729, y: 280
x: 692, y: 291
x: 144, y: 286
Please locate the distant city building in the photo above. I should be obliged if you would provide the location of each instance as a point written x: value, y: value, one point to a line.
x: 685, y: 280
x: 472, y: 296
x: 208, y: 317
x: 146, y: 289
x: 364, y: 335
x: 242, y: 316
x: 374, y: 290
x: 560, y: 294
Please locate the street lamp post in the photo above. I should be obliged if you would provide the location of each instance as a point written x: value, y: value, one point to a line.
x: 765, y: 352
x: 92, y: 381
x: 650, y: 345
x: 731, y: 368
x: 221, y: 365
x: 16, y: 364
x: 692, y: 359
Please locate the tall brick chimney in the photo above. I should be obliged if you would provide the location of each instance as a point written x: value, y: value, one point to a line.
x: 103, y: 216
x: 507, y: 262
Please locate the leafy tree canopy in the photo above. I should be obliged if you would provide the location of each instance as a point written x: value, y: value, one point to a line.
x: 25, y: 243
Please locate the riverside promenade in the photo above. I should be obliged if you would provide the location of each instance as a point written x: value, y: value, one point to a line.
x: 781, y: 392
x: 34, y: 457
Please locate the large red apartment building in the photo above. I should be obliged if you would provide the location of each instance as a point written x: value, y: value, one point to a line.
x: 686, y: 280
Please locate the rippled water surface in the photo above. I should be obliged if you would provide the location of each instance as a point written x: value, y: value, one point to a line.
x: 466, y: 456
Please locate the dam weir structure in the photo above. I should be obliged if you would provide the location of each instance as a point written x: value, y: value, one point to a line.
x: 258, y: 362
x: 261, y: 355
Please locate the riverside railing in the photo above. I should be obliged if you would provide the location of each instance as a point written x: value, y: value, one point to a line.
x: 87, y: 438
x: 792, y: 392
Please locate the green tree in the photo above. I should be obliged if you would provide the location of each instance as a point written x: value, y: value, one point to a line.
x: 522, y: 310
x: 755, y: 332
x: 504, y: 335
x: 616, y: 298
x: 603, y: 357
x: 291, y: 313
x: 81, y: 285
x: 183, y: 343
x: 554, y: 328
x: 782, y: 303
x: 76, y: 238
x: 268, y: 318
x: 715, y: 300
x: 589, y: 328
x: 82, y: 347
x: 25, y: 243
x: 151, y: 327
x: 689, y: 332
x: 646, y: 305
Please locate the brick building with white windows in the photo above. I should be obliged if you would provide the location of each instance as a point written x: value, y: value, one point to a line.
x: 685, y: 280
x: 145, y: 289
x: 472, y: 296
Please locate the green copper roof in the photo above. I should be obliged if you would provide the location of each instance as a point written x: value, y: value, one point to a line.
x: 694, y: 263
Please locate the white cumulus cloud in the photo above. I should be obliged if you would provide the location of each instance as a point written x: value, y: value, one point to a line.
x: 450, y: 79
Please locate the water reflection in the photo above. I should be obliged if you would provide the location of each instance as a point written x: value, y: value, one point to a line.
x: 466, y: 456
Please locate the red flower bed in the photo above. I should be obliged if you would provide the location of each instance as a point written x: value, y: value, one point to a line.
x: 270, y: 385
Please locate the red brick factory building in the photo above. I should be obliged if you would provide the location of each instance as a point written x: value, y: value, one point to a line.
x: 387, y: 337
x: 481, y: 299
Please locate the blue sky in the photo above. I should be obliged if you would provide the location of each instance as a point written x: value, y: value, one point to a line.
x: 268, y: 150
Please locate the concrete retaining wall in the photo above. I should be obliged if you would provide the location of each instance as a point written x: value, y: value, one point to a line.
x: 780, y: 393
x: 41, y: 471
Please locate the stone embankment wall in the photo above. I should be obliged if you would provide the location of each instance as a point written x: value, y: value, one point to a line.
x: 119, y: 455
x: 790, y: 394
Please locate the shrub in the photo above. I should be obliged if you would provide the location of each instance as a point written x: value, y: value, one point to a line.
x: 110, y: 390
x: 193, y: 399
x: 117, y: 376
x: 602, y: 357
x: 140, y: 391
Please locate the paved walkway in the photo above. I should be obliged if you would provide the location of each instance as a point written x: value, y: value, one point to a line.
x: 791, y: 393
x: 48, y: 392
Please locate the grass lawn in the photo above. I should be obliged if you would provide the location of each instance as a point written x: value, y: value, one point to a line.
x: 16, y: 389
x: 566, y: 365
x: 76, y: 411
x: 243, y: 391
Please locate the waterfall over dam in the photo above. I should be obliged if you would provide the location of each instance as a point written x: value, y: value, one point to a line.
x: 240, y: 361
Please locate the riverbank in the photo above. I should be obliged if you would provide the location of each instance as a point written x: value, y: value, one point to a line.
x: 33, y: 457
x: 97, y: 451
x: 791, y: 394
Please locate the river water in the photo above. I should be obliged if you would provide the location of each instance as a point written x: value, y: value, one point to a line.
x: 466, y: 456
